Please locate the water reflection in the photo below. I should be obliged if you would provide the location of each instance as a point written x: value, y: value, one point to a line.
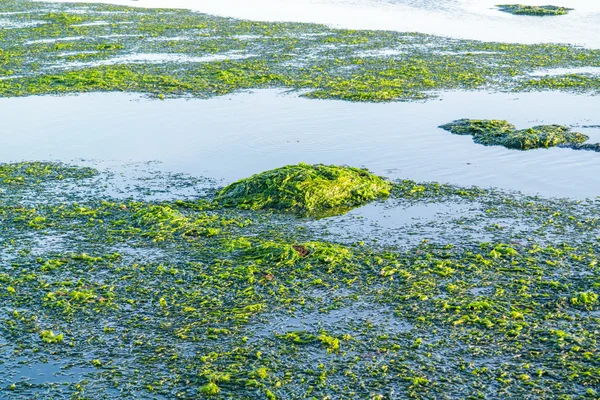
x: 470, y: 19
x: 232, y: 137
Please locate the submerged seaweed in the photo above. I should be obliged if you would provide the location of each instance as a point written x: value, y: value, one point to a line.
x: 502, y: 133
x: 520, y: 9
x: 585, y: 146
x: 307, y: 190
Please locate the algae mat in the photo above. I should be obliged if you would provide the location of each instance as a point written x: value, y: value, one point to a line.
x: 58, y: 49
x: 105, y: 297
x: 541, y: 11
x: 503, y: 133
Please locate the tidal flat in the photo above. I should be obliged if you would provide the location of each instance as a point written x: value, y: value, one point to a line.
x: 261, y: 259
x: 106, y: 296
x: 50, y: 48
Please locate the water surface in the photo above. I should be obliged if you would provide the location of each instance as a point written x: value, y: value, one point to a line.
x: 232, y: 137
x: 469, y: 19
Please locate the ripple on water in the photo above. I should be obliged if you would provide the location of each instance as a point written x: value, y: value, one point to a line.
x: 337, y: 321
x: 235, y: 136
x: 469, y: 19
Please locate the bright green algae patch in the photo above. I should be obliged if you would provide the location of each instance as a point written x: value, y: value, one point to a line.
x: 308, y: 190
x: 121, y: 298
x: 75, y: 48
x: 520, y: 9
x: 31, y: 172
x: 502, y: 133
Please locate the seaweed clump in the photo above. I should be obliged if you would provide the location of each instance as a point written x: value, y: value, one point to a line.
x: 503, y: 133
x: 520, y: 9
x: 306, y: 190
x: 36, y: 172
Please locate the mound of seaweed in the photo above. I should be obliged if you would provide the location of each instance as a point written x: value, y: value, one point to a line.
x: 503, y: 133
x: 520, y: 9
x: 306, y: 190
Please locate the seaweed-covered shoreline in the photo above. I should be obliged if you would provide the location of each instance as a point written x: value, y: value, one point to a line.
x: 239, y: 292
x: 520, y: 9
x: 73, y: 48
x: 186, y: 299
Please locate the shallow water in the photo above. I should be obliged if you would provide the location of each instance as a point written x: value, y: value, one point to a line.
x: 567, y: 71
x: 335, y: 321
x: 51, y: 372
x: 399, y: 225
x: 470, y: 19
x: 233, y: 137
x: 150, y: 58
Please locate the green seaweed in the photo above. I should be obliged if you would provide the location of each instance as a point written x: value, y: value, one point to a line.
x: 274, y: 307
x: 210, y: 389
x: 306, y: 190
x: 502, y: 133
x: 32, y: 172
x: 520, y: 9
x: 578, y: 83
x: 76, y: 48
x: 51, y: 338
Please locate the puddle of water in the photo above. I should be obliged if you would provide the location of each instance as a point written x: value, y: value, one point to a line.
x: 48, y: 243
x: 8, y: 24
x: 95, y: 23
x: 154, y: 58
x: 53, y: 40
x: 393, y: 224
x: 470, y: 19
x: 381, y: 53
x: 335, y: 321
x: 50, y: 372
x: 233, y: 137
x: 382, y: 216
x: 567, y: 71
x: 100, y: 23
x: 478, y: 291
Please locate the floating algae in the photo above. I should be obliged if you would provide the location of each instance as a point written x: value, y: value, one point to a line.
x: 520, y: 9
x: 306, y: 190
x: 503, y: 133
